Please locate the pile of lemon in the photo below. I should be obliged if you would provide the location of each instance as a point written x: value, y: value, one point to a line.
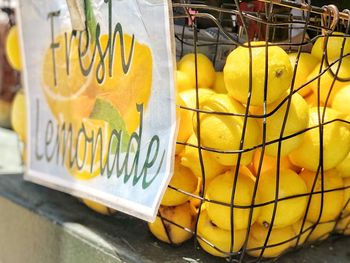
x: 270, y: 137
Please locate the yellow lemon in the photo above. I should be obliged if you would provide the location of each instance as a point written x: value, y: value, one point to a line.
x: 126, y: 90
x: 97, y: 207
x: 19, y: 115
x: 183, y: 179
x: 306, y: 64
x: 237, y: 73
x: 290, y: 186
x: 336, y: 133
x: 297, y: 120
x: 174, y: 224
x: 219, y: 84
x: 313, y: 101
x: 220, y: 190
x: 185, y: 126
x: 343, y: 226
x: 205, y: 70
x: 333, y: 201
x: 190, y: 159
x: 69, y: 93
x: 344, y: 167
x: 320, y: 231
x: 217, y: 241
x: 279, y: 241
x: 347, y: 195
x: 329, y: 87
x: 91, y: 146
x: 270, y: 163
x: 341, y: 100
x: 13, y: 51
x: 223, y: 132
x: 334, y: 44
x: 183, y: 81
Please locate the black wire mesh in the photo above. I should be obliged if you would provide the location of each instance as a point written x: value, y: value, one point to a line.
x: 215, y: 28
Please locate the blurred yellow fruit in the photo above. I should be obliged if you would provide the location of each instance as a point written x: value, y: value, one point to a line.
x: 297, y: 121
x: 290, y: 186
x: 165, y: 230
x: 13, y: 51
x: 270, y: 163
x: 219, y: 84
x: 333, y: 201
x: 223, y: 132
x: 334, y: 44
x: 312, y: 100
x: 306, y: 64
x: 126, y: 90
x: 185, y: 126
x: 327, y: 79
x: 343, y: 226
x: 183, y: 81
x: 19, y: 115
x: 341, y: 100
x: 336, y: 133
x: 279, y: 241
x: 237, y: 73
x: 347, y: 195
x: 91, y: 155
x: 344, y: 167
x: 190, y: 159
x: 183, y: 179
x: 205, y: 70
x: 320, y: 232
x: 220, y: 190
x: 210, y: 235
x: 97, y: 207
x: 189, y: 96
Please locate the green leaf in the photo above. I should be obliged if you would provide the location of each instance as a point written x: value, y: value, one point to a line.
x: 104, y: 110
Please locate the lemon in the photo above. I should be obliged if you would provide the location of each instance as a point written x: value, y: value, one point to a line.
x: 205, y: 70
x: 183, y: 179
x: 91, y: 150
x: 333, y: 201
x: 343, y: 226
x: 190, y: 97
x: 306, y: 64
x: 183, y: 81
x: 190, y: 159
x: 270, y: 163
x: 126, y: 90
x: 185, y: 126
x: 13, y: 51
x: 177, y: 223
x: 220, y: 190
x: 334, y: 44
x: 320, y: 231
x: 97, y: 207
x: 288, y: 211
x: 313, y: 101
x: 18, y: 115
x: 347, y: 195
x: 341, y: 100
x: 297, y: 121
x: 217, y: 241
x: 219, y: 84
x: 307, y: 155
x: 223, y: 133
x: 344, y: 167
x: 327, y: 79
x: 237, y: 74
x: 69, y: 93
x: 279, y: 241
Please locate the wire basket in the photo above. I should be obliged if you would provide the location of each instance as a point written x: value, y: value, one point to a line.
x: 259, y: 213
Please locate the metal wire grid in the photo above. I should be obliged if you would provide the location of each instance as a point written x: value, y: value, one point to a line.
x: 323, y: 20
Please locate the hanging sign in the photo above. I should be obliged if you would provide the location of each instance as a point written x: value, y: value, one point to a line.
x: 101, y: 100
